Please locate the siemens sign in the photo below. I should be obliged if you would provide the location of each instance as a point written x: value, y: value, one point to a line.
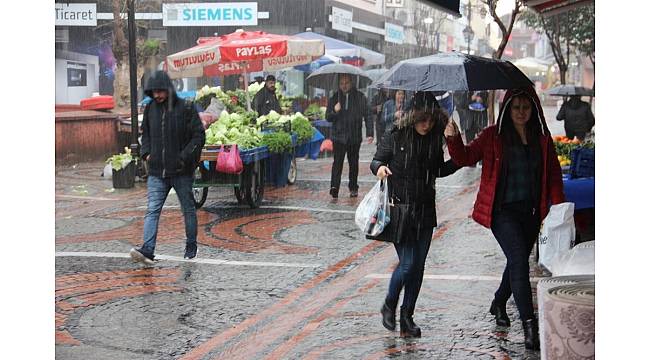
x: 210, y: 14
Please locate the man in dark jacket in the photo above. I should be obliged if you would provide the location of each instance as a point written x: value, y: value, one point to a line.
x: 265, y: 99
x: 172, y: 139
x: 346, y: 110
x: 577, y: 116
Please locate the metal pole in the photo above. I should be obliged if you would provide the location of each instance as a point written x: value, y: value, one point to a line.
x: 133, y: 74
x: 469, y: 23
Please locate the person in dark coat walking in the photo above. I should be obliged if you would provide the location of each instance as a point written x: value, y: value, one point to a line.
x: 376, y: 108
x: 346, y: 110
x: 520, y: 179
x: 265, y: 99
x: 172, y: 140
x: 577, y: 116
x: 411, y: 156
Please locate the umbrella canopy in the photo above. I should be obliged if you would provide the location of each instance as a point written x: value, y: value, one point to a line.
x: 374, y: 74
x: 316, y: 64
x: 454, y: 72
x: 243, y: 51
x: 349, y: 53
x: 570, y: 90
x: 327, y: 77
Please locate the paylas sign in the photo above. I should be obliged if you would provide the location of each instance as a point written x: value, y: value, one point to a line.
x: 210, y: 14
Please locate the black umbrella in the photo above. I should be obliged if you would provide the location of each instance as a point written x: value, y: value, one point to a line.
x: 327, y: 77
x: 570, y: 90
x: 454, y: 72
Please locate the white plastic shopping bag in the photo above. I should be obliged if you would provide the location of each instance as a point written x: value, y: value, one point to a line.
x: 372, y: 214
x: 557, y: 234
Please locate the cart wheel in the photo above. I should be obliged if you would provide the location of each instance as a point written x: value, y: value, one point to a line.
x: 293, y: 172
x: 239, y: 195
x: 199, y: 195
x: 254, y: 189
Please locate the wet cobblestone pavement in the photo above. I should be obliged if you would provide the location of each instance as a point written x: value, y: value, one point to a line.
x: 293, y: 279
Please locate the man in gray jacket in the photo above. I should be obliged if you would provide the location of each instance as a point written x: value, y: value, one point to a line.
x: 172, y: 139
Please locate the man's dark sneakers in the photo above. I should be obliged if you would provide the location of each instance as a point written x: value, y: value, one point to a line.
x: 190, y: 251
x: 354, y: 193
x: 139, y: 256
x: 334, y: 192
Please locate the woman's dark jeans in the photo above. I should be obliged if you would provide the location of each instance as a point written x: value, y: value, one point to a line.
x: 408, y: 274
x: 516, y: 231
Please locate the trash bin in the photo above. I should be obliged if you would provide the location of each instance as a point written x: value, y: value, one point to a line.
x: 125, y: 177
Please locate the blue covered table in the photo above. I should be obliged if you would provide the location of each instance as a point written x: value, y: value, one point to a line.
x: 580, y: 191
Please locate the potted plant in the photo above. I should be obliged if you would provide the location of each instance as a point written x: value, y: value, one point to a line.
x: 123, y: 169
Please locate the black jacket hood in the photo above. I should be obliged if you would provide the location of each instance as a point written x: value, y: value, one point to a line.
x: 160, y: 81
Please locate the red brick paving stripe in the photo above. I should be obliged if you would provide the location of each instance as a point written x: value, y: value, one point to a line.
x: 282, y: 350
x: 286, y: 322
x: 131, y: 291
x: 288, y: 319
x: 171, y: 228
x: 106, y: 284
x: 203, y: 349
x: 63, y: 337
x: 256, y: 232
x: 64, y: 281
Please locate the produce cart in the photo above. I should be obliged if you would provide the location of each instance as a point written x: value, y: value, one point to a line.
x: 248, y: 185
x: 259, y: 163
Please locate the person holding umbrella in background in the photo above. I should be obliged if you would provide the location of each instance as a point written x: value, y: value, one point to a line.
x: 346, y: 110
x: 577, y: 116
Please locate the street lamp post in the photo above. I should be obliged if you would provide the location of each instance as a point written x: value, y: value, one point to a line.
x: 133, y: 79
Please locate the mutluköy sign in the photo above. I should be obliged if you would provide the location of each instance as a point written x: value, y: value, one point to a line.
x: 210, y: 14
x: 75, y: 14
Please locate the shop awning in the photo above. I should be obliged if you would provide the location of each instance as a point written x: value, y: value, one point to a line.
x: 554, y: 7
x: 349, y: 53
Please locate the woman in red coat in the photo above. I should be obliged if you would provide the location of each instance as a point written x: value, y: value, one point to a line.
x: 520, y: 179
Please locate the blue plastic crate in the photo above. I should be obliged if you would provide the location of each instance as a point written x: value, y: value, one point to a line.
x: 583, y: 163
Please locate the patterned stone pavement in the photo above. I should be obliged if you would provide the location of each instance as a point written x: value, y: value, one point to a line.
x: 293, y: 279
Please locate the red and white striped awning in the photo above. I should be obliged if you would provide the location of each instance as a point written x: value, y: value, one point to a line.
x: 243, y: 51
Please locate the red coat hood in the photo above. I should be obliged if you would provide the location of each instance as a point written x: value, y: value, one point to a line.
x: 532, y: 95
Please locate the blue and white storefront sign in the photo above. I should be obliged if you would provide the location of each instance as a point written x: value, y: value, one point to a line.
x: 75, y: 14
x: 210, y: 14
x: 394, y: 33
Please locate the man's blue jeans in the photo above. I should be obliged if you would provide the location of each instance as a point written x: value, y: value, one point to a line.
x: 409, y: 272
x: 157, y: 191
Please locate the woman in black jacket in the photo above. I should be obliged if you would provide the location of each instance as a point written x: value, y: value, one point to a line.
x: 411, y: 156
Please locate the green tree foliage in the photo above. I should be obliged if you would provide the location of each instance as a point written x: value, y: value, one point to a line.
x: 566, y: 31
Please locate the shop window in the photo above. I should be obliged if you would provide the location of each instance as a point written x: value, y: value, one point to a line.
x: 77, y: 74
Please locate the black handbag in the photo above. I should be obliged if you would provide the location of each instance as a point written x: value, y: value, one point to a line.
x: 398, y: 225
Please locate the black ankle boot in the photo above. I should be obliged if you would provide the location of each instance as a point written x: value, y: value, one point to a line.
x: 407, y: 327
x: 388, y: 316
x: 531, y: 334
x: 500, y: 314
